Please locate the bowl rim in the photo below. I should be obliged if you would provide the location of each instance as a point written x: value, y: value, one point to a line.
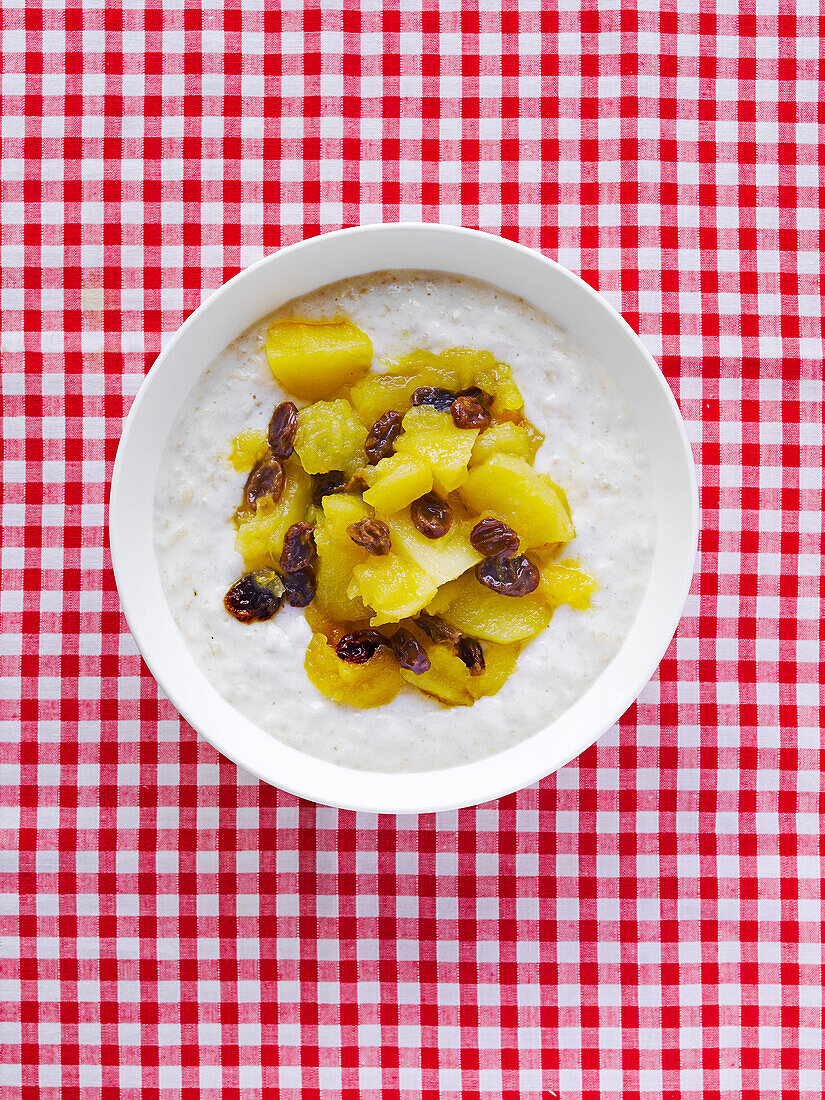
x: 390, y: 792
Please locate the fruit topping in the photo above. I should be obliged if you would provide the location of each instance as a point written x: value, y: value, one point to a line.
x: 392, y: 586
x: 380, y: 442
x: 494, y: 539
x: 266, y: 482
x: 312, y: 359
x: 433, y: 395
x: 431, y: 515
x: 261, y: 533
x: 371, y: 684
x: 299, y: 547
x: 248, y: 448
x: 529, y: 503
x: 566, y: 582
x: 484, y: 399
x: 507, y: 437
x: 372, y: 534
x: 330, y: 437
x: 325, y: 484
x: 469, y: 651
x: 282, y: 428
x: 255, y: 597
x: 396, y: 482
x: 378, y: 393
x: 359, y: 645
x: 468, y: 412
x: 438, y: 630
x: 409, y: 652
x: 432, y: 437
x: 476, y: 610
x: 404, y: 499
x: 299, y: 586
x: 508, y: 576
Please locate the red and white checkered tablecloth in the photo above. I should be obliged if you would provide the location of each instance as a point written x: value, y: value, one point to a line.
x: 648, y: 922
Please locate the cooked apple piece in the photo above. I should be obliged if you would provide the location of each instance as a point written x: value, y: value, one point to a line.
x: 371, y: 684
x: 534, y: 436
x: 566, y: 582
x: 497, y: 379
x: 312, y: 359
x: 248, y: 448
x: 477, y: 611
x: 378, y: 393
x: 446, y: 680
x: 432, y: 436
x: 505, y: 437
x: 260, y: 537
x: 454, y: 369
x: 560, y: 493
x: 392, y: 586
x: 340, y: 510
x: 444, y: 558
x: 330, y: 437
x: 500, y: 663
x: 396, y: 481
x: 505, y: 486
x: 338, y: 555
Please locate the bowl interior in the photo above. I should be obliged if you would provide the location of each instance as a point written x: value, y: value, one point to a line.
x: 298, y: 270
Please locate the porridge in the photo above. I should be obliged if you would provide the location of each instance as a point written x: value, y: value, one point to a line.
x: 584, y: 439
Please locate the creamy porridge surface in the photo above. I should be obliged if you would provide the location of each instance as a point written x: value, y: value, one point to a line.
x: 592, y: 449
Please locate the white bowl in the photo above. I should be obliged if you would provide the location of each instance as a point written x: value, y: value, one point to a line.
x: 295, y: 271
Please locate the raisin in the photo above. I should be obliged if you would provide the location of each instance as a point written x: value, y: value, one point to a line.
x: 470, y: 652
x: 255, y: 597
x: 299, y: 586
x: 324, y: 485
x: 356, y: 484
x: 508, y: 576
x: 372, y: 534
x: 409, y: 652
x: 382, y: 436
x: 358, y: 646
x: 282, y: 429
x: 484, y: 399
x: 437, y: 630
x: 494, y: 539
x: 433, y: 395
x: 299, y: 547
x: 431, y: 515
x: 468, y: 412
x: 265, y: 480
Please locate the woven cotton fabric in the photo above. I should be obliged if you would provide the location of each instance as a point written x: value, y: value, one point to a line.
x: 648, y: 922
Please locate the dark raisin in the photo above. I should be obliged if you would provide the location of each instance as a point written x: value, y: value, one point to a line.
x: 382, y: 436
x: 494, y: 539
x: 372, y: 534
x: 484, y: 399
x: 299, y: 587
x: 431, y: 515
x: 508, y: 576
x: 265, y: 480
x: 433, y: 395
x: 282, y: 429
x: 470, y: 652
x: 358, y: 646
x: 437, y: 630
x: 255, y: 597
x: 299, y: 547
x: 468, y: 412
x: 324, y: 485
x: 409, y: 652
x: 356, y: 484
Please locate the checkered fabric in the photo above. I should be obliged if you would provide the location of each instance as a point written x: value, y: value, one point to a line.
x: 648, y: 922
